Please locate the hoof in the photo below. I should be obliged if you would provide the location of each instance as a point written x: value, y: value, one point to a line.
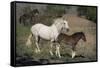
x: 73, y: 54
x: 59, y: 56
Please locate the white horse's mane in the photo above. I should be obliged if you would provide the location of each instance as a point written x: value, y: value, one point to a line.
x: 58, y: 20
x: 59, y: 23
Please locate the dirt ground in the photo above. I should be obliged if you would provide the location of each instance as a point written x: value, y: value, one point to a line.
x: 85, y: 51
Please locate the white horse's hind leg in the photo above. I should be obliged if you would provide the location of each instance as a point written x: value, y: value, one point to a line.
x: 28, y: 43
x: 38, y: 49
x: 37, y: 44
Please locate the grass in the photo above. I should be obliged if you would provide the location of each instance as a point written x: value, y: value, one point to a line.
x: 77, y: 24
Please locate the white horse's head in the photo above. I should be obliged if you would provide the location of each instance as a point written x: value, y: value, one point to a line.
x: 61, y: 24
x: 65, y: 26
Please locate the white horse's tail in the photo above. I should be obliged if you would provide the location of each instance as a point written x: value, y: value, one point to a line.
x: 29, y: 42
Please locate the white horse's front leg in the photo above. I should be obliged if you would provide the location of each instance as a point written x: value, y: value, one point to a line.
x: 58, y: 50
x: 37, y: 45
x: 51, y: 45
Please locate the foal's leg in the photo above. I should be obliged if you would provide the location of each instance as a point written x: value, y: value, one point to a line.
x: 73, y: 52
x: 58, y: 50
x: 37, y: 44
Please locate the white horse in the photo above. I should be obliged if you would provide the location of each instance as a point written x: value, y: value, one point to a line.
x: 48, y: 33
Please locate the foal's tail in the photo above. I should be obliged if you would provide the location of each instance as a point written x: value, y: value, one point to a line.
x: 29, y: 42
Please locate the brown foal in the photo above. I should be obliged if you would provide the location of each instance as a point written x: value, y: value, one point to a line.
x: 71, y: 40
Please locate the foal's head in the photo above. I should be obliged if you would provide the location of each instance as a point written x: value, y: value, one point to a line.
x: 83, y: 37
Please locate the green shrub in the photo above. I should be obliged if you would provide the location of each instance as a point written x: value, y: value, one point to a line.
x: 89, y: 12
x: 55, y: 10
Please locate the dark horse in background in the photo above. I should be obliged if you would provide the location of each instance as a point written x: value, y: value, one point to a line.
x: 71, y: 40
x: 28, y: 18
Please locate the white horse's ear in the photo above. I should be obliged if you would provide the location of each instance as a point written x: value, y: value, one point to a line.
x: 63, y: 17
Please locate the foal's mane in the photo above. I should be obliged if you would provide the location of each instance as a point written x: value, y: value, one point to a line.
x: 75, y: 34
x: 78, y: 33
